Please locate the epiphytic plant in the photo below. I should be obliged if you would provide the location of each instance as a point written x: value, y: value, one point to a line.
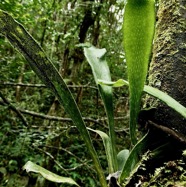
x: 139, y: 21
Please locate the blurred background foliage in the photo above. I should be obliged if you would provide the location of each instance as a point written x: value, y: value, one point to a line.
x: 33, y: 126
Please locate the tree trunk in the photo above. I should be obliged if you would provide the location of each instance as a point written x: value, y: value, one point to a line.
x: 168, y: 66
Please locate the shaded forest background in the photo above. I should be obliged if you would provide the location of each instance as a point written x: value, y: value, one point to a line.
x: 33, y: 126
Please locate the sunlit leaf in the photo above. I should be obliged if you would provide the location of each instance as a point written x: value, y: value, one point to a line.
x: 117, y: 83
x: 32, y: 167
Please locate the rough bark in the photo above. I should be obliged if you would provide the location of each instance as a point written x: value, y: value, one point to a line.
x: 168, y: 66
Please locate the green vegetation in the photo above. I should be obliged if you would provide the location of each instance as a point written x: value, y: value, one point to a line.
x: 51, y: 143
x: 138, y: 31
x: 57, y: 32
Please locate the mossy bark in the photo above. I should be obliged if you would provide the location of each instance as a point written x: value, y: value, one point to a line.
x: 168, y: 66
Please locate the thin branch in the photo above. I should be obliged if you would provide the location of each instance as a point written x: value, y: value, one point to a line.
x: 6, y: 84
x: 55, y: 118
x: 42, y: 85
x: 20, y: 112
x: 52, y: 157
x: 59, y: 165
x: 178, y: 136
x: 12, y: 107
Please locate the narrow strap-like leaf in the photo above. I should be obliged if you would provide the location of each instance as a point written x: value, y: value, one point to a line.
x: 46, y: 71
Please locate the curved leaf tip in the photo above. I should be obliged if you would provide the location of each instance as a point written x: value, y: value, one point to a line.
x: 32, y: 167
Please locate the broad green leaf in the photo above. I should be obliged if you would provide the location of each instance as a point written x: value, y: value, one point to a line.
x: 96, y: 59
x: 154, y: 92
x: 121, y: 158
x: 46, y: 71
x: 100, y: 69
x: 32, y: 167
x: 107, y: 145
x: 138, y: 32
x: 133, y: 158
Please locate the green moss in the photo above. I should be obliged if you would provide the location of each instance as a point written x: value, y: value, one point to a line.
x: 19, y: 30
x: 172, y: 173
x: 41, y: 54
x: 166, y: 50
x: 2, y: 24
